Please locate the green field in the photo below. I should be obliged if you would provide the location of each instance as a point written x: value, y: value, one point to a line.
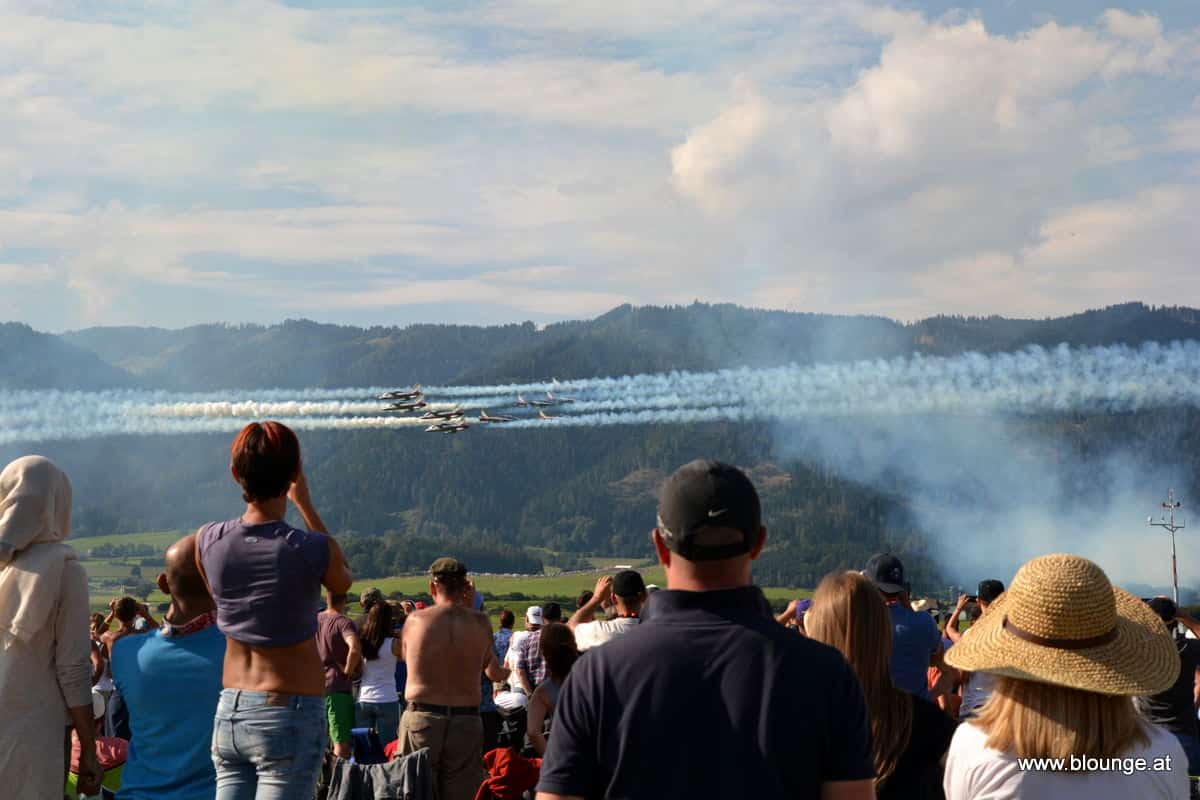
x: 98, y: 569
x: 539, y: 589
x: 511, y: 591
x: 159, y: 540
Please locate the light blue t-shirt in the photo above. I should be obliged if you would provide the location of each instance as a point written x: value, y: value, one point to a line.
x: 915, y: 638
x: 171, y: 686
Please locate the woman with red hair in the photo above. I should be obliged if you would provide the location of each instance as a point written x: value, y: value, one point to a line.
x: 266, y: 578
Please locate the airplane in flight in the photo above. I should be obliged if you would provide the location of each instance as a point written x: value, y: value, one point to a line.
x: 402, y: 394
x: 486, y: 417
x: 555, y: 401
x: 407, y: 405
x: 522, y: 402
x: 544, y: 415
x: 452, y: 413
x: 448, y: 427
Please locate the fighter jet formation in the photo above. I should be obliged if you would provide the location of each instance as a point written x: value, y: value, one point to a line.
x: 408, y: 405
x: 453, y: 420
x: 452, y: 413
x: 523, y: 403
x: 402, y: 394
x: 448, y: 427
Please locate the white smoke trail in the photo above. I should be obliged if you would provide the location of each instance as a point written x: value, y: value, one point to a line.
x: 257, y: 409
x: 1028, y: 382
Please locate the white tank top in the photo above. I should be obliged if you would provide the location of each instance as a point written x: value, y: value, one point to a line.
x: 378, y: 683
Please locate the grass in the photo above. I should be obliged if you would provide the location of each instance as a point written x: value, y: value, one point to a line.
x: 159, y: 540
x: 536, y: 589
x: 98, y: 569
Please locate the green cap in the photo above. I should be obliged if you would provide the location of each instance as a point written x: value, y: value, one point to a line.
x: 448, y: 568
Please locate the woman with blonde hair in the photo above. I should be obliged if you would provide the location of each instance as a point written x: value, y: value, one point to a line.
x: 909, y: 734
x: 1070, y: 651
x: 45, y: 658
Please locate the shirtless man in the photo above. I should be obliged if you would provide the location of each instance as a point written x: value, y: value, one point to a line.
x: 446, y: 647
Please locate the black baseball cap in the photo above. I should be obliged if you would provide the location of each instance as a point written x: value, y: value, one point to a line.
x: 887, y: 572
x: 989, y: 590
x: 628, y: 583
x: 1164, y: 607
x: 708, y: 511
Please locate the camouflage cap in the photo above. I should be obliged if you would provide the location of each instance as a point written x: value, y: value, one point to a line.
x: 370, y: 597
x: 448, y: 568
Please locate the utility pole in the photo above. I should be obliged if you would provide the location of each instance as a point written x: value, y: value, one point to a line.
x: 1167, y: 522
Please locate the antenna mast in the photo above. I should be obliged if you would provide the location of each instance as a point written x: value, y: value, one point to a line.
x: 1167, y: 522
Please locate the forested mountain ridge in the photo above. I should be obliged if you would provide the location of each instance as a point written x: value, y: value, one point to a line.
x: 33, y: 360
x: 510, y: 500
x: 626, y: 340
x: 394, y: 497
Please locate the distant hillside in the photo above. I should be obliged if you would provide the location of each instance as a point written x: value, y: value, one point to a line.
x: 625, y: 340
x: 398, y: 500
x: 509, y: 500
x: 1130, y: 323
x: 299, y: 353
x: 32, y: 360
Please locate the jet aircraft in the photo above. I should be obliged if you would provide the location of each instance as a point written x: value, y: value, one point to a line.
x: 402, y: 394
x: 556, y: 401
x: 544, y: 415
x: 486, y: 417
x: 522, y: 402
x: 407, y: 405
x: 452, y: 413
x: 448, y: 427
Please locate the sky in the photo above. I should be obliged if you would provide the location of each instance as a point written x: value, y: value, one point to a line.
x: 172, y: 163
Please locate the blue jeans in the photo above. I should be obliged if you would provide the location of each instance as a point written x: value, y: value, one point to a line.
x: 268, y: 746
x: 384, y: 718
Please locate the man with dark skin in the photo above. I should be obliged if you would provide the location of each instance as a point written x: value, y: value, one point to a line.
x: 160, y: 674
x: 446, y: 647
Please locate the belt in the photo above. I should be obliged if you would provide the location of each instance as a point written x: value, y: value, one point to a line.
x: 445, y: 711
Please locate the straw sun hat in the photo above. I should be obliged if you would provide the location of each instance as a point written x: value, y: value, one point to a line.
x: 1062, y: 622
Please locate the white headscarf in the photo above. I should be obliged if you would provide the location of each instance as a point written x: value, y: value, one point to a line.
x: 35, y: 518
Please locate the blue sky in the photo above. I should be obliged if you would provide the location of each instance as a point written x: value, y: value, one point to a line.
x: 174, y: 163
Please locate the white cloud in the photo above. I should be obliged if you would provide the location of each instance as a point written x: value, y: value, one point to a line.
x: 943, y: 169
x: 551, y: 158
x: 13, y: 275
x: 272, y: 58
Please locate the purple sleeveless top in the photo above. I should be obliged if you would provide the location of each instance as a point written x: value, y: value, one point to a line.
x: 265, y: 579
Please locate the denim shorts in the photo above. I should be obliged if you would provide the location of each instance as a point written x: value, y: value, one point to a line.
x: 268, y: 746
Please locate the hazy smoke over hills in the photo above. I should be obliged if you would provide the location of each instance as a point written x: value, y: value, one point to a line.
x: 988, y: 450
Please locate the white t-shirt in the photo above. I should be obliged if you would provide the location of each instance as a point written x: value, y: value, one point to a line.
x: 977, y: 772
x: 378, y: 683
x: 514, y: 647
x: 594, y: 634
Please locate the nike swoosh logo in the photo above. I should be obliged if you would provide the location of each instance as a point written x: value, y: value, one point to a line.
x: 718, y: 512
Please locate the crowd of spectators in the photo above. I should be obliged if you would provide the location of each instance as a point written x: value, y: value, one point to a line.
x: 252, y: 687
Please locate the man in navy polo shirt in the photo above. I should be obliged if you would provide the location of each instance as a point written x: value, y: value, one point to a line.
x: 710, y: 697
